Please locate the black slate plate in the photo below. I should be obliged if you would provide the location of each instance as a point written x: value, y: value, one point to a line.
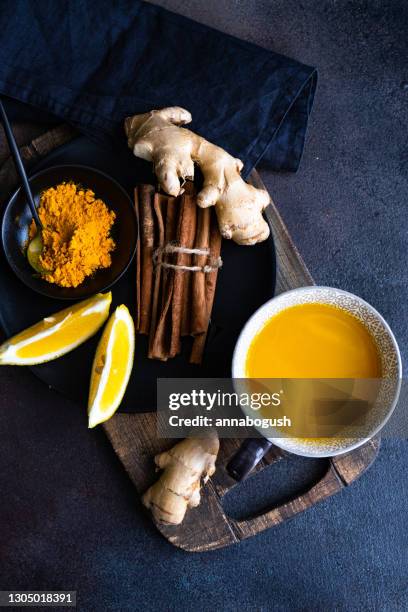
x: 246, y: 281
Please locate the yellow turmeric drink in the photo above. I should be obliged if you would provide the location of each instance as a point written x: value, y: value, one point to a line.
x: 313, y: 341
x: 75, y: 235
x: 325, y: 361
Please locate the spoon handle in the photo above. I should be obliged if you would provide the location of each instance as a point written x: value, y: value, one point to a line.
x: 19, y: 164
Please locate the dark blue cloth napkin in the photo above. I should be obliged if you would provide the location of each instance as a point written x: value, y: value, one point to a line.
x: 93, y: 62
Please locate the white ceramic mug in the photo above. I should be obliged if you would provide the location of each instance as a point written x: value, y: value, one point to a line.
x: 381, y: 333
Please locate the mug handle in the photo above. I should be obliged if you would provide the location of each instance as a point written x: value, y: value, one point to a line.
x: 247, y: 457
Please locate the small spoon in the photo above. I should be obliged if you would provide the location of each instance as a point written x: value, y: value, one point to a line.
x: 35, y: 246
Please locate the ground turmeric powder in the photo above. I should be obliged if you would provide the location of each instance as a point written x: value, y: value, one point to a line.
x: 76, y: 234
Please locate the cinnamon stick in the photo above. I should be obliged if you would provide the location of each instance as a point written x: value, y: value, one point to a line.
x: 138, y: 260
x: 159, y: 205
x: 185, y: 238
x: 161, y: 335
x: 170, y: 235
x: 187, y: 310
x: 199, y: 319
x: 147, y: 240
x: 197, y: 350
x: 160, y: 346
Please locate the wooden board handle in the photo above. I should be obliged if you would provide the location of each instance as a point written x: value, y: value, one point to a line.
x: 327, y: 485
x: 223, y: 483
x: 341, y: 471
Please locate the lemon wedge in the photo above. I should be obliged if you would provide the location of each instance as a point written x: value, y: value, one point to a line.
x: 112, y: 367
x: 57, y: 334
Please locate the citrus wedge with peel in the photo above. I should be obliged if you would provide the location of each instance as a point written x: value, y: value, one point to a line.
x: 57, y: 334
x: 112, y: 367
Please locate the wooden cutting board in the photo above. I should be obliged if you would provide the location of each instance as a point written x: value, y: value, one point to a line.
x: 133, y: 436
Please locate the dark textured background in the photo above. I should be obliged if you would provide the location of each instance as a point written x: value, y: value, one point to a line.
x: 69, y: 517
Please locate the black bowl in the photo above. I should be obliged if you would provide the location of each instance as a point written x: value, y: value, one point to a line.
x: 17, y: 218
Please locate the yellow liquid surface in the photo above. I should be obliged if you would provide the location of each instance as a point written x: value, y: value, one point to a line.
x: 313, y: 341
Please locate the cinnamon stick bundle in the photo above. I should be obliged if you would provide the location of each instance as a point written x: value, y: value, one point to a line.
x: 175, y: 287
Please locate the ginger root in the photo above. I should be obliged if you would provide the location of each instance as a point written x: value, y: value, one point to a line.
x: 157, y: 137
x: 179, y: 486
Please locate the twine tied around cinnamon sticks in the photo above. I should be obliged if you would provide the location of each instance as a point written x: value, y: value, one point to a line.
x: 175, y: 236
x: 213, y: 263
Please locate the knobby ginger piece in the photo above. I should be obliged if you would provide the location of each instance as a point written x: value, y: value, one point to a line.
x: 157, y: 137
x: 178, y: 488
